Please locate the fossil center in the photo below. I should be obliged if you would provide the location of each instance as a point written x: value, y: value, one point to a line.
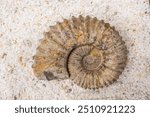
x: 93, y: 60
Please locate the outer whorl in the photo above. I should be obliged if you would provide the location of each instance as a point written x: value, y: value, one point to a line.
x: 86, y: 50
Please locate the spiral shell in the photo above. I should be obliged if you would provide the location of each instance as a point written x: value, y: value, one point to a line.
x: 84, y: 49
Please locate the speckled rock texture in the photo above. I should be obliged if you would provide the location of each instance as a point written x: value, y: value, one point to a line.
x: 22, y: 23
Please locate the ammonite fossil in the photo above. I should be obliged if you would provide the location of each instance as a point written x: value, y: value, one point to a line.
x: 84, y: 49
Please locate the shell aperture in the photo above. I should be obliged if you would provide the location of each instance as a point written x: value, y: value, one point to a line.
x: 84, y: 49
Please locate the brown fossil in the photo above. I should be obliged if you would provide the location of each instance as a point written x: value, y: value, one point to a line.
x: 84, y: 49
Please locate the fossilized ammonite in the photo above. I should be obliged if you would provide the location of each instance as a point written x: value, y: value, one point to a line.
x: 84, y: 49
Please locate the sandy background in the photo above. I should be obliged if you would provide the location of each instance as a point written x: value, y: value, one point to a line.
x: 22, y: 23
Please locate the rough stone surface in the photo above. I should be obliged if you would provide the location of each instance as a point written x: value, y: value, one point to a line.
x: 22, y: 23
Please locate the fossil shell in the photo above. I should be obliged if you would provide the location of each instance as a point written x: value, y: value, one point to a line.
x: 84, y: 49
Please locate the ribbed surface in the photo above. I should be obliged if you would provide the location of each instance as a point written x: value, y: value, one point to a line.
x: 86, y: 50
